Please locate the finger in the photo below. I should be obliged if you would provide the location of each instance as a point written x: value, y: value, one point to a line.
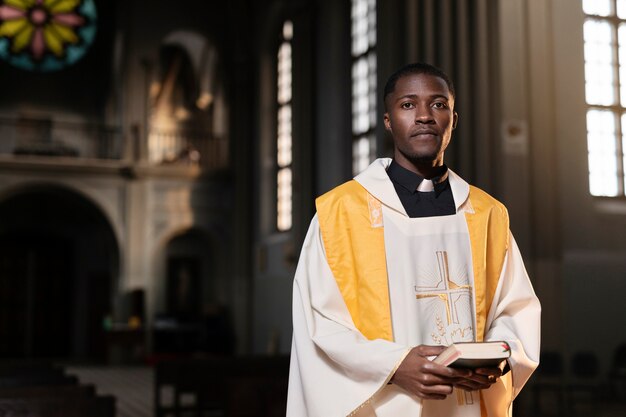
x: 431, y: 396
x: 478, y: 382
x: 473, y: 383
x: 426, y: 350
x: 496, y: 372
x: 447, y: 372
x: 472, y: 387
x: 481, y: 379
x: 434, y: 380
x: 435, y: 390
x: 467, y: 387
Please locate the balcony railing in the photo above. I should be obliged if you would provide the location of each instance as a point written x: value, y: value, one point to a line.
x: 188, y: 147
x: 46, y: 137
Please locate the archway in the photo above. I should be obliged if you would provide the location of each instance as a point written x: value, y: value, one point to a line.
x: 58, y: 258
x: 187, y: 112
x: 197, y: 320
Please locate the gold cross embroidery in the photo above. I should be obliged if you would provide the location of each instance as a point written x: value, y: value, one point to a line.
x: 450, y: 288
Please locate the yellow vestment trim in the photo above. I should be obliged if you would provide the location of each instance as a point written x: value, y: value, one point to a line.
x: 353, y: 236
x: 355, y: 250
x: 489, y: 236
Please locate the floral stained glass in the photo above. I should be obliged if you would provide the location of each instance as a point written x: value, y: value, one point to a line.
x: 46, y: 35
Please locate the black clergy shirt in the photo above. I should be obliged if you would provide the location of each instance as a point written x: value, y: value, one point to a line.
x: 422, y: 204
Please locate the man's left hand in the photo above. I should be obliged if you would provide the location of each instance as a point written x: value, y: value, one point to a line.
x: 481, y: 378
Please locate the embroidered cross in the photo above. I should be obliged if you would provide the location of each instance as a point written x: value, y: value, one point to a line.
x: 450, y: 292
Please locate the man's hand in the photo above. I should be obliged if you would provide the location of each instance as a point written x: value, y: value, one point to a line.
x: 428, y: 380
x: 480, y: 378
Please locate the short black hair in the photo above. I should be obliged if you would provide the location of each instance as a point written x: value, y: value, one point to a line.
x: 414, y: 69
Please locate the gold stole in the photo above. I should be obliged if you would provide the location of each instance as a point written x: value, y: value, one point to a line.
x: 352, y: 231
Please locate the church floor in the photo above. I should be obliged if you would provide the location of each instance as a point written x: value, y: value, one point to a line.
x: 132, y: 387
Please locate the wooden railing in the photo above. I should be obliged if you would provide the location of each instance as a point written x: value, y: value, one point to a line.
x: 46, y: 137
x: 188, y: 147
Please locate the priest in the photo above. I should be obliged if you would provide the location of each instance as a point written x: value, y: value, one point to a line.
x: 400, y: 262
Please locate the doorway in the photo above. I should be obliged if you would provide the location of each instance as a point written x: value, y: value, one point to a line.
x: 58, y: 261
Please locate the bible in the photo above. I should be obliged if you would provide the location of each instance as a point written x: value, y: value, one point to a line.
x: 474, y: 355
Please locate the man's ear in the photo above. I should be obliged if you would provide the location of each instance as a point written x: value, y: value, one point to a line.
x: 455, y: 120
x: 387, y: 122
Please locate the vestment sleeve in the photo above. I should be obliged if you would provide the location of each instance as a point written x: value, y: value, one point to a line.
x: 335, y: 370
x: 515, y: 318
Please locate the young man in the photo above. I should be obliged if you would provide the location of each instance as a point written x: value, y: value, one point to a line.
x: 398, y: 263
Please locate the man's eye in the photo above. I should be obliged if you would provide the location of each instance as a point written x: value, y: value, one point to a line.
x: 440, y: 105
x: 407, y: 105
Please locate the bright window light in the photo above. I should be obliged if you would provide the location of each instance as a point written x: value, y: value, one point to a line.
x: 605, y: 93
x: 363, y: 83
x: 284, y: 217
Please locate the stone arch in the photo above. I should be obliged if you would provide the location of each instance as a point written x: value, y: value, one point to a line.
x: 203, y: 58
x: 60, y: 256
x: 188, y: 268
x: 212, y: 269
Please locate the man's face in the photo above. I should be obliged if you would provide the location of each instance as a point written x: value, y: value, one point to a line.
x: 420, y: 117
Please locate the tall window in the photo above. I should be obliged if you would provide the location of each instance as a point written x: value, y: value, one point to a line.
x: 363, y: 83
x: 605, y: 91
x: 283, y: 137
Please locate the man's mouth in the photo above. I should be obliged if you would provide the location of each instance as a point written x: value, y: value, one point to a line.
x: 424, y: 133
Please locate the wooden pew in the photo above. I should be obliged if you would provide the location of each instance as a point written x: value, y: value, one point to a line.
x: 15, y: 373
x: 26, y: 380
x: 40, y: 389
x: 55, y: 391
x: 228, y: 387
x: 59, y: 407
x: 24, y: 365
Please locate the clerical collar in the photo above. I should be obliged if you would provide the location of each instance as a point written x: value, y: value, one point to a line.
x: 412, y: 181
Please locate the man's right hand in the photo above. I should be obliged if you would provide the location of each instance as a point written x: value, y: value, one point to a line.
x: 420, y: 376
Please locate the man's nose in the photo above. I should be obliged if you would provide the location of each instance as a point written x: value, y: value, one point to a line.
x: 423, y: 114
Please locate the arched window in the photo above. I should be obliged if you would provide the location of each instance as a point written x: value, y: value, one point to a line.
x: 363, y: 83
x: 284, y: 131
x: 605, y: 91
x: 187, y: 106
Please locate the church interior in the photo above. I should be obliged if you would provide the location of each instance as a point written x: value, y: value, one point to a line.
x: 159, y: 164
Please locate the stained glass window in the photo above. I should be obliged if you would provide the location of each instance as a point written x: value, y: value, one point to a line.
x: 363, y: 83
x: 46, y: 35
x: 283, y: 137
x: 605, y: 92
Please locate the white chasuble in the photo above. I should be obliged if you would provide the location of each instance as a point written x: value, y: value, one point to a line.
x: 337, y: 372
x: 429, y: 266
